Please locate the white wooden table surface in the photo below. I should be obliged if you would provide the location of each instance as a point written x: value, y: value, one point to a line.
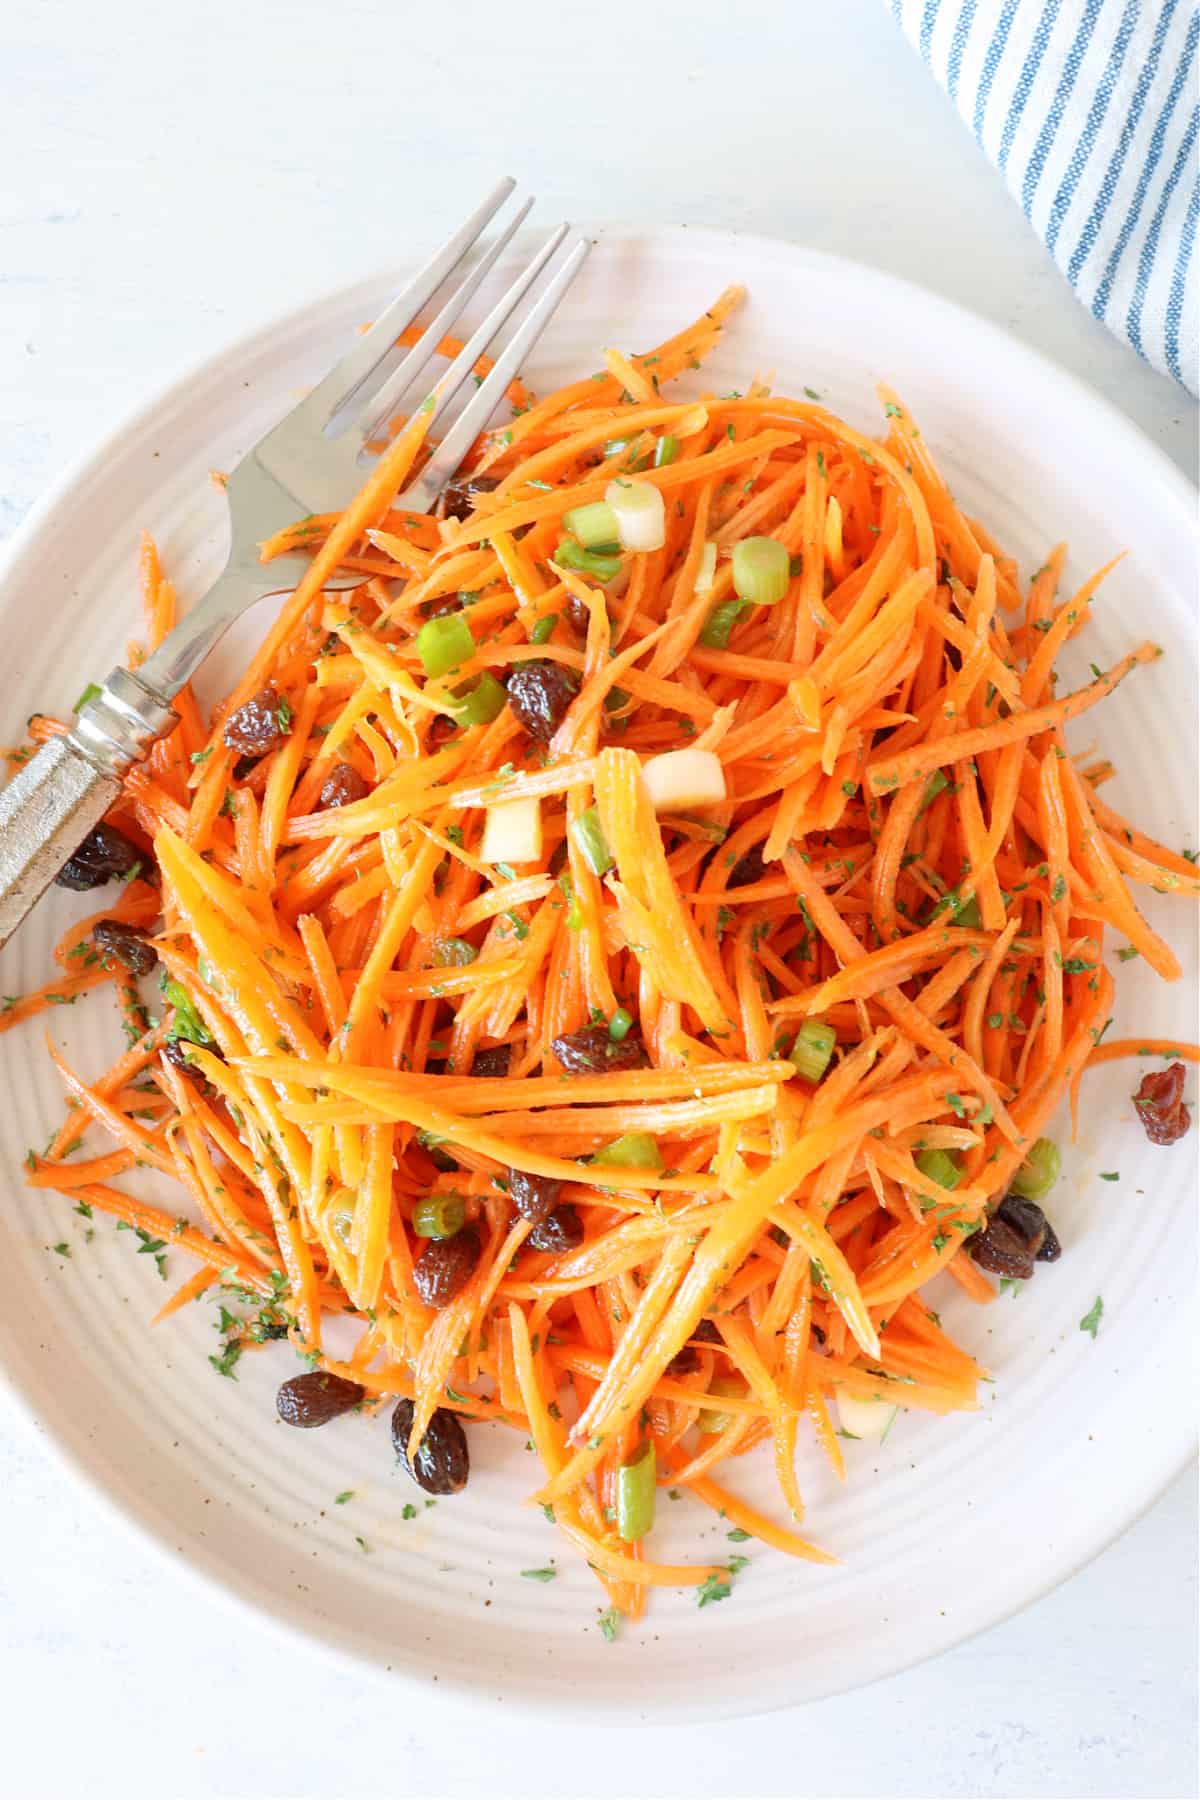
x: 170, y: 175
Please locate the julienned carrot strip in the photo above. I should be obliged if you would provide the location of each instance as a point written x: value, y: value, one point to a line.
x: 190, y: 1290
x: 367, y: 992
x: 1114, y: 1049
x: 891, y: 772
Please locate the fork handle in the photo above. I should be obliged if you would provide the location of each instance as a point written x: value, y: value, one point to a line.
x: 52, y: 803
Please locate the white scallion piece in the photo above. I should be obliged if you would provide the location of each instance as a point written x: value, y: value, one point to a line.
x: 640, y: 514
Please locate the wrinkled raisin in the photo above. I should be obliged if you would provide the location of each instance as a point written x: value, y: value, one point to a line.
x: 125, y: 944
x: 442, y: 1463
x: 446, y: 1265
x: 1002, y: 1250
x: 259, y: 726
x: 540, y: 694
x: 579, y: 614
x: 104, y: 854
x: 176, y: 1052
x: 314, y: 1399
x: 493, y: 1063
x: 1050, y: 1248
x: 534, y: 1196
x: 559, y: 1231
x: 748, y: 868
x: 591, y: 1051
x: 342, y: 786
x: 459, y: 496
x: 1159, y: 1104
x: 1026, y: 1218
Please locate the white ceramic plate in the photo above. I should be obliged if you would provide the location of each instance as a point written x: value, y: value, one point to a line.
x: 952, y: 1524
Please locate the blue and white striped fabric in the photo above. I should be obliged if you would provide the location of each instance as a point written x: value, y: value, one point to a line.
x: 1089, y: 109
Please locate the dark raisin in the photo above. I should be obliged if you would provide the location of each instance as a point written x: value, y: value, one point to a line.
x: 103, y: 855
x: 314, y: 1399
x: 1050, y: 1249
x: 707, y: 1333
x: 748, y: 868
x: 259, y: 726
x: 459, y: 496
x: 441, y: 730
x: 342, y: 786
x: 446, y: 1265
x: 592, y: 1051
x: 540, y: 694
x: 684, y: 1362
x: 1026, y: 1218
x: 561, y: 1230
x: 579, y: 614
x: 1002, y: 1251
x: 442, y: 1463
x: 492, y: 1064
x: 125, y: 944
x: 1159, y: 1104
x: 176, y: 1052
x: 534, y: 1196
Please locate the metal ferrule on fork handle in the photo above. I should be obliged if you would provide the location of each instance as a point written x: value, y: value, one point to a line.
x: 51, y: 804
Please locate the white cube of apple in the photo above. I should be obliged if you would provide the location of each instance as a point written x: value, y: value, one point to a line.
x: 512, y: 832
x: 681, y: 779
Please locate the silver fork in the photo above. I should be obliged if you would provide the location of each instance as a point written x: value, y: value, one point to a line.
x: 305, y: 465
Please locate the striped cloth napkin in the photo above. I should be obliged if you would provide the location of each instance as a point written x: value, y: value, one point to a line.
x: 1089, y: 109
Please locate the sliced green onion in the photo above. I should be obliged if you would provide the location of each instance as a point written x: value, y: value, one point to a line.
x: 187, y: 1023
x: 710, y: 1422
x: 968, y: 914
x: 706, y: 572
x: 614, y: 446
x: 666, y: 450
x: 439, y: 1215
x: 343, y: 1224
x: 637, y: 1481
x: 482, y: 703
x: 443, y: 643
x: 620, y: 1025
x: 453, y: 953
x: 634, y: 1150
x: 91, y: 692
x: 543, y: 631
x: 574, y: 919
x: 720, y: 622
x: 592, y: 525
x: 589, y: 838
x: 1039, y: 1172
x: 640, y: 513
x: 812, y: 1050
x: 940, y: 1166
x: 435, y: 1146
x: 760, y: 570
x: 571, y: 555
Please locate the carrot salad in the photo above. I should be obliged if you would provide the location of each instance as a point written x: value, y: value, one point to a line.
x: 619, y: 951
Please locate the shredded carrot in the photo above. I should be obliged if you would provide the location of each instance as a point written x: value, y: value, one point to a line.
x: 714, y: 1033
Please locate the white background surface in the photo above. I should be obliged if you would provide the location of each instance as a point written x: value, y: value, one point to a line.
x: 168, y: 177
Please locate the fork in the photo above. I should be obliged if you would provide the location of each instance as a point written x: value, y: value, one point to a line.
x: 310, y: 462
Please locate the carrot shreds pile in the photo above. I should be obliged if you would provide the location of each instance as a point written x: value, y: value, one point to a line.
x: 629, y: 962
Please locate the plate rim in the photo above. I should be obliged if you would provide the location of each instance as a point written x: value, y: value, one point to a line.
x: 197, y: 1563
